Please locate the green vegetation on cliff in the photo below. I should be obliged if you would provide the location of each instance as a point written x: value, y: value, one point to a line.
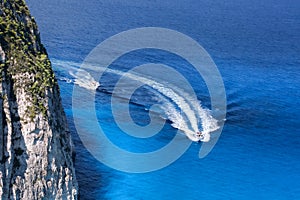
x: 36, y: 147
x: 20, y: 40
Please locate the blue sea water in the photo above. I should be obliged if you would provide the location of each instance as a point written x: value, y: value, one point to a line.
x: 256, y: 46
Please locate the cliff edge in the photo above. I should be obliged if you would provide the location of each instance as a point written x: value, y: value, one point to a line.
x: 35, y: 143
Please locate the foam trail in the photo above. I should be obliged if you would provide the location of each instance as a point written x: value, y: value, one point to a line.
x: 67, y: 80
x: 168, y: 92
x: 173, y: 114
x: 190, y: 106
x: 209, y: 124
x: 82, y: 77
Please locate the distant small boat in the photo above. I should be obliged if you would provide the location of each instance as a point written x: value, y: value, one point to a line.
x: 95, y: 84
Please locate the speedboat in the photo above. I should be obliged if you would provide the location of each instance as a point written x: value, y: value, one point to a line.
x: 195, y: 137
x: 199, y: 133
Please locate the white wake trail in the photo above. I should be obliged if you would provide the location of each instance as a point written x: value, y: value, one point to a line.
x: 208, y: 123
x: 84, y: 79
x: 168, y: 92
x: 189, y: 105
x: 81, y: 77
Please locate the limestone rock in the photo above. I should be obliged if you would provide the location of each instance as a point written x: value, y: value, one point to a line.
x: 35, y: 144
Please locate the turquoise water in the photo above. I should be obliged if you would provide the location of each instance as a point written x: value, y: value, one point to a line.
x: 255, y: 45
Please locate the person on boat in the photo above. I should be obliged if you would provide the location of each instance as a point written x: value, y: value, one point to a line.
x: 199, y: 133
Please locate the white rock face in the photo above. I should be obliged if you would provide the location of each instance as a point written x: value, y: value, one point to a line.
x: 36, y: 150
x: 37, y: 154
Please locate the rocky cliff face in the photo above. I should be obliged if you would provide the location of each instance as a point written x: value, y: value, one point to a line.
x: 35, y: 144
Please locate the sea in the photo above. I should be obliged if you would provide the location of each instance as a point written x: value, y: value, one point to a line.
x: 255, y: 45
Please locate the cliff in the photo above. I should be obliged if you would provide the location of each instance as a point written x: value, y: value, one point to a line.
x: 35, y: 144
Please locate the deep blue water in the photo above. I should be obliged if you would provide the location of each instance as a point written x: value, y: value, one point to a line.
x: 255, y: 45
